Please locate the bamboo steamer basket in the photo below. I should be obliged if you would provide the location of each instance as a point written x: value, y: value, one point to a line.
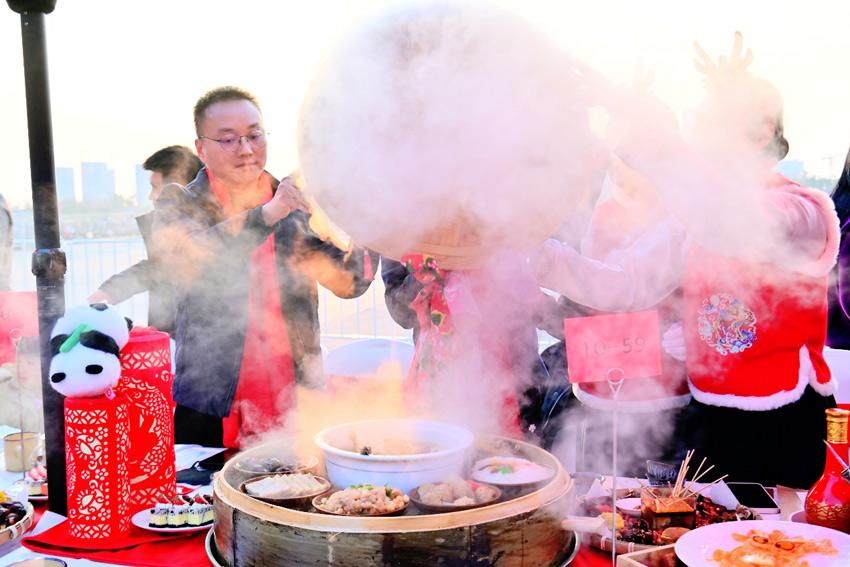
x: 525, y: 531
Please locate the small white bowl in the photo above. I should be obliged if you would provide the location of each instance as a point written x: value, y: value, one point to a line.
x: 629, y: 506
x: 348, y: 467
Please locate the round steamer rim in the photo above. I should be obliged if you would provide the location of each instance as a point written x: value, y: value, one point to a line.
x: 549, y: 494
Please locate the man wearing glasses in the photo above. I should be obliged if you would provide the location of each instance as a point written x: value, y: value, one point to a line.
x: 246, y: 264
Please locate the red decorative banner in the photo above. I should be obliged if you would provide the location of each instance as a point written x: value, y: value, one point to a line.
x: 96, y: 441
x: 619, y: 346
x: 146, y: 383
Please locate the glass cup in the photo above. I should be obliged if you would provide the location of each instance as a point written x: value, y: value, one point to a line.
x: 661, y: 474
x: 20, y: 449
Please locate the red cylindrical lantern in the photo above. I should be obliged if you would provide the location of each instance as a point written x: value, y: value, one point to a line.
x: 96, y: 441
x: 146, y: 383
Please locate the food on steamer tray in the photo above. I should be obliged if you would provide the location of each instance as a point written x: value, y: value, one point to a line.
x: 181, y: 512
x: 774, y: 548
x: 284, y: 486
x: 365, y: 500
x: 510, y: 471
x: 36, y: 481
x: 456, y: 492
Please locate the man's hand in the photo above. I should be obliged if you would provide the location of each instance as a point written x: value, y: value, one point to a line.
x: 286, y: 199
x: 100, y: 297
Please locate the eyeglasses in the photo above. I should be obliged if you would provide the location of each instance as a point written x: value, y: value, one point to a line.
x: 232, y: 142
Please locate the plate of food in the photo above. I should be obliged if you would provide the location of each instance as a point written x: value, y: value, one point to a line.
x: 292, y: 490
x: 177, y: 515
x: 454, y: 495
x: 36, y: 482
x: 15, y: 518
x: 764, y: 542
x: 635, y: 533
x: 363, y: 500
x: 510, y: 471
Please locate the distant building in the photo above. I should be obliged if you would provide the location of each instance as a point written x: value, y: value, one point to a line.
x: 98, y: 183
x: 793, y: 169
x: 143, y: 186
x: 65, y: 192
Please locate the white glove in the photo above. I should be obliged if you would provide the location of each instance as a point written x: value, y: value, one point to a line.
x: 673, y: 342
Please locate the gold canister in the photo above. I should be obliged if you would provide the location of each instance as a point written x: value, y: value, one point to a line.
x: 836, y: 425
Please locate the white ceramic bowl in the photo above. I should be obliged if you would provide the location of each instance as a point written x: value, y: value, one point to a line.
x: 448, y: 446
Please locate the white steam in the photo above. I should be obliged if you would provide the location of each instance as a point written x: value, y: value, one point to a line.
x: 448, y: 128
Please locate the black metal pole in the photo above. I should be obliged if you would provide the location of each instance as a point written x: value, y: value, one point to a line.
x: 48, y: 261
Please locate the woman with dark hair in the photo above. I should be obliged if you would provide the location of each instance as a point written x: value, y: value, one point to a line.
x: 838, y: 330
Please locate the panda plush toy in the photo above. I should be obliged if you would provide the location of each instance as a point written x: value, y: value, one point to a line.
x: 85, y: 344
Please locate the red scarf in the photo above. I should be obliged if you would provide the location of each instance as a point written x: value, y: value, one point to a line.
x: 435, y: 347
x: 265, y: 390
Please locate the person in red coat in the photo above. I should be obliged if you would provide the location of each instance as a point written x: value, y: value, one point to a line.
x: 755, y: 251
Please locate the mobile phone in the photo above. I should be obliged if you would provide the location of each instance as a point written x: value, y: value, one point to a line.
x: 754, y: 496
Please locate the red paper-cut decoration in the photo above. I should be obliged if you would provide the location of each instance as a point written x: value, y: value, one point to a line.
x: 96, y: 441
x: 146, y: 383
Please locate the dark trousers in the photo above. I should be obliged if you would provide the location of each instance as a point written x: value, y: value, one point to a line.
x: 193, y: 427
x: 782, y: 446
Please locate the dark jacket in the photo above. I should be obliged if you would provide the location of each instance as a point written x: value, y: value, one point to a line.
x: 146, y: 275
x: 209, y: 258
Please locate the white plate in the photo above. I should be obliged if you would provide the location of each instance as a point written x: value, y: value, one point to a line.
x: 698, y: 546
x: 799, y: 517
x: 539, y: 473
x: 142, y: 519
x: 629, y: 506
x: 39, y: 498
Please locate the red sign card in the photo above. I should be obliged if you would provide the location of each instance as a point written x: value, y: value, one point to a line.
x: 628, y: 343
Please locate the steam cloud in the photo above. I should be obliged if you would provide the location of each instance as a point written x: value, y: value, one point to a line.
x: 443, y: 125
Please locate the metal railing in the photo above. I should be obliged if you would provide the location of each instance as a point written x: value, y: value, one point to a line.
x: 91, y: 262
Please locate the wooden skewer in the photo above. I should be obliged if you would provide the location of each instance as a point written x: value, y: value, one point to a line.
x: 696, y: 474
x: 705, y: 472
x: 708, y: 485
x: 675, y: 489
x: 683, y: 471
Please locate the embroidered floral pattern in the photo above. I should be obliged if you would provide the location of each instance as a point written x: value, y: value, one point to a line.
x: 726, y: 324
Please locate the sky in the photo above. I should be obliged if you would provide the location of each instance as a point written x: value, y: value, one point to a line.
x: 125, y: 75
